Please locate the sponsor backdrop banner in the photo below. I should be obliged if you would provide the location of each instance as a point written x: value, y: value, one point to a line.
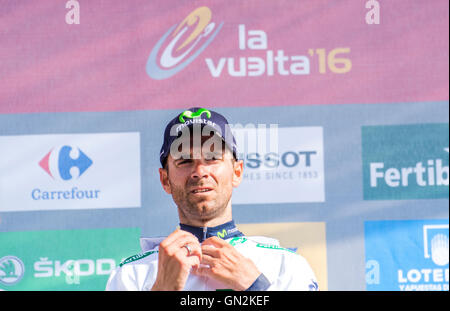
x: 340, y: 110
x: 70, y: 171
x: 63, y: 259
x: 298, y: 163
x: 407, y: 255
x: 405, y: 161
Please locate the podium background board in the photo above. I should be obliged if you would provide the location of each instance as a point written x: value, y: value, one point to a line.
x: 361, y: 110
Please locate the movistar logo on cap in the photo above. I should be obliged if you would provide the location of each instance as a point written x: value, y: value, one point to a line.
x: 189, y: 114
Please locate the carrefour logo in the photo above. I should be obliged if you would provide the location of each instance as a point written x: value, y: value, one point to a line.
x: 179, y: 53
x: 62, y: 162
x: 406, y: 161
x: 70, y: 171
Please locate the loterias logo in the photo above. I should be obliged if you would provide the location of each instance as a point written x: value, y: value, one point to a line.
x: 407, y: 255
x: 184, y: 42
x: 59, y: 162
x: 178, y: 54
x: 405, y: 161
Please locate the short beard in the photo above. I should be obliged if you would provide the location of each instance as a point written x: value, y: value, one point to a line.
x: 192, y: 211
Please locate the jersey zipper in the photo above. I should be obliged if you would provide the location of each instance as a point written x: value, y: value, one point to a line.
x: 205, y: 229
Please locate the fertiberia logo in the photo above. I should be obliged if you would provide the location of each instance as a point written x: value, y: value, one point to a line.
x: 405, y: 161
x: 182, y: 48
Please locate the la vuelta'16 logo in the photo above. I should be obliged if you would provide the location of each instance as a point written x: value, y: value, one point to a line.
x: 177, y: 55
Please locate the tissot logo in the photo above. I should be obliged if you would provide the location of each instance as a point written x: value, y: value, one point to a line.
x: 288, y: 170
x: 60, y: 162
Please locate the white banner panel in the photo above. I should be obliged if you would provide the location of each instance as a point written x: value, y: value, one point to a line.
x: 281, y: 165
x: 70, y: 171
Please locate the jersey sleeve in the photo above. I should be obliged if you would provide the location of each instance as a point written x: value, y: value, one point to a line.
x: 296, y: 275
x: 120, y: 281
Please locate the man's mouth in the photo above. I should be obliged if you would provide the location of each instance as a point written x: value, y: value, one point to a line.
x: 201, y: 190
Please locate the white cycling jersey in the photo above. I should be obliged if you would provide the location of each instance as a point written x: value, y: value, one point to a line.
x: 284, y: 269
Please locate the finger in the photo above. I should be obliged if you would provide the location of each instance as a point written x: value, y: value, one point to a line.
x: 185, y: 239
x: 195, y: 249
x: 216, y: 241
x: 178, y: 240
x: 211, y: 251
x: 193, y: 262
x: 177, y: 247
x: 175, y: 236
x: 202, y: 271
x: 208, y: 260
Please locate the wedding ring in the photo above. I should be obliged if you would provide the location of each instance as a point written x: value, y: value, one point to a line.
x: 188, y: 249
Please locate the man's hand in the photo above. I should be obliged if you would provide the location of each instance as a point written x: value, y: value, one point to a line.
x: 174, y: 260
x: 226, y: 265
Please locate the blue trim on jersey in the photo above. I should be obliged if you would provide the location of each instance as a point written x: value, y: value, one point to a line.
x: 224, y: 231
x: 260, y: 284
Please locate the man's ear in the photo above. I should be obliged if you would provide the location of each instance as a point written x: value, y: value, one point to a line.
x: 164, y: 179
x: 238, y: 170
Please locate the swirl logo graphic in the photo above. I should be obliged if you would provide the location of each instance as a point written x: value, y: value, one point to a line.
x: 12, y: 270
x: 189, y: 114
x: 179, y: 53
x: 64, y: 161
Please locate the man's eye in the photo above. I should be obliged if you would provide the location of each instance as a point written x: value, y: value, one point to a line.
x: 186, y: 161
x: 214, y: 157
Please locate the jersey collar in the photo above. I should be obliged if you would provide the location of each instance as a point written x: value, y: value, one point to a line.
x: 224, y: 231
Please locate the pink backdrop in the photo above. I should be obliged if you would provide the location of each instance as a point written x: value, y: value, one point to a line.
x: 99, y: 65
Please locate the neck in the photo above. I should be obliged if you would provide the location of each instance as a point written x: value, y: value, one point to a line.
x: 218, y: 220
x: 225, y: 231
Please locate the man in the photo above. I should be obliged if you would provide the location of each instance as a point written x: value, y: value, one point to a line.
x: 199, y: 170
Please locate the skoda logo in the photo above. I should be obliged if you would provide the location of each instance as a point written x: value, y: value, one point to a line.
x: 12, y: 270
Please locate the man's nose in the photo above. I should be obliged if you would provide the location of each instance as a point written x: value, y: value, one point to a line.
x: 200, y: 169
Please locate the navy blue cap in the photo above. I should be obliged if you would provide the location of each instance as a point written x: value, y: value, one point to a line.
x: 187, y: 119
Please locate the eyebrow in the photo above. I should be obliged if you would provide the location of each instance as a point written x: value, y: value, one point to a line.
x: 214, y: 154
x: 183, y: 157
x: 207, y: 154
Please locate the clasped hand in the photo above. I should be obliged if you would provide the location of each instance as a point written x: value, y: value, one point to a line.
x: 214, y: 258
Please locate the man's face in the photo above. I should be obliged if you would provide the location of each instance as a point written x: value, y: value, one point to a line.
x: 201, y: 180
